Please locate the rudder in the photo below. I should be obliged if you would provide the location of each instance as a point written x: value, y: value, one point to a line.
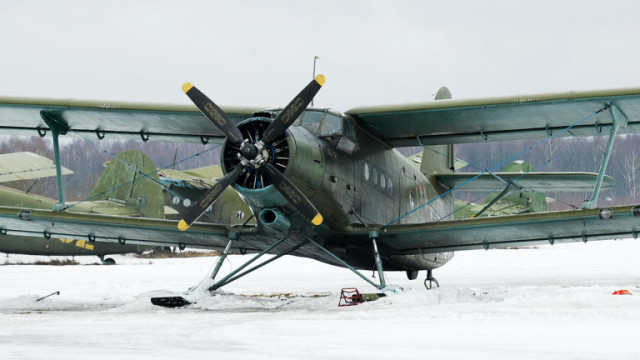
x: 131, y: 178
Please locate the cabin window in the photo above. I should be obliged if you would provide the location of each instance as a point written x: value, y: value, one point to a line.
x: 383, y: 183
x: 374, y: 176
x: 390, y: 186
x: 366, y: 171
x: 412, y: 200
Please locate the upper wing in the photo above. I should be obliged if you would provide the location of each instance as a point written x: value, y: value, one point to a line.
x: 116, y: 229
x: 500, y: 118
x: 512, y: 230
x: 115, y: 120
x: 26, y: 166
x: 536, y: 181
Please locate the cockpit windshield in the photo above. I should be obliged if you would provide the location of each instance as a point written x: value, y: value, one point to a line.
x: 321, y: 123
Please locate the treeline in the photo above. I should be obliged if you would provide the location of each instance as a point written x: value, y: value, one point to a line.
x: 86, y: 159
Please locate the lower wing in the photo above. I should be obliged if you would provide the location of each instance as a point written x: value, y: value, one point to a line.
x: 514, y: 230
x: 116, y: 229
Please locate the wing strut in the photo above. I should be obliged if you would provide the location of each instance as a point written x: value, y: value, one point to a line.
x: 209, y: 284
x: 383, y: 286
x: 57, y: 128
x: 511, y: 187
x: 619, y: 120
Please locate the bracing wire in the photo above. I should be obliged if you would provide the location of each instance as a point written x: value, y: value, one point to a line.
x: 114, y: 157
x: 499, y: 164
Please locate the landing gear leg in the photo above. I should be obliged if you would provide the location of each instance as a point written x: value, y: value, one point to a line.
x: 430, y: 280
x: 383, y: 286
x: 208, y: 285
x: 204, y: 284
x: 376, y: 254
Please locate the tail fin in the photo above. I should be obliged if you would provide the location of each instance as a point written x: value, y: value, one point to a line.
x: 443, y: 94
x: 438, y: 158
x: 131, y: 179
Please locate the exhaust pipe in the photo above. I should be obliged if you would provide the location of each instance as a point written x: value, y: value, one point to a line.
x: 275, y: 220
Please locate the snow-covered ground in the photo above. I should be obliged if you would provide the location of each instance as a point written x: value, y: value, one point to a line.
x: 553, y: 302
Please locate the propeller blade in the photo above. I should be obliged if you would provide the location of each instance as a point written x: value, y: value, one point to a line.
x: 208, y: 198
x: 293, y: 194
x: 212, y: 112
x: 291, y: 112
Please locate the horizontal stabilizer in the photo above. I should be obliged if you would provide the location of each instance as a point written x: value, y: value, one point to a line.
x: 27, y: 166
x: 534, y: 181
x: 457, y: 163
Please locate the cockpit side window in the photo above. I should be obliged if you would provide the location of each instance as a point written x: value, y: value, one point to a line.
x: 321, y: 123
x: 332, y: 125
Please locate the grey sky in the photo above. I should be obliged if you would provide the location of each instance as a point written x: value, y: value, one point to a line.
x: 261, y: 52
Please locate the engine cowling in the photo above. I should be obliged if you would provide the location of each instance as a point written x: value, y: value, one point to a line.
x: 296, y: 154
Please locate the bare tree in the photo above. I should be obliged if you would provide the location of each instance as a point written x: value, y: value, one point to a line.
x: 630, y: 165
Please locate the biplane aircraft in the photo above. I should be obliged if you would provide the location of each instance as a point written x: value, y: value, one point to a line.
x: 332, y: 187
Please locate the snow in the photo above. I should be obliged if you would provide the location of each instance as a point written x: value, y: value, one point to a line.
x: 552, y: 302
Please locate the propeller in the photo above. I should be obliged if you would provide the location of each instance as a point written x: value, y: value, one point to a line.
x: 251, y: 154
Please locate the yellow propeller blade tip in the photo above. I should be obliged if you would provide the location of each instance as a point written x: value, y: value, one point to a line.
x: 187, y: 86
x: 320, y: 79
x: 182, y: 225
x: 317, y: 220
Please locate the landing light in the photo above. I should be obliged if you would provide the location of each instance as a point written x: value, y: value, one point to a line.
x: 605, y: 213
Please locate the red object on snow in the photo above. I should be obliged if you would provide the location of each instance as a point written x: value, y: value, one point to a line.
x: 622, y: 292
x: 350, y: 297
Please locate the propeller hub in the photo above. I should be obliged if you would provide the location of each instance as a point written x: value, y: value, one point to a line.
x: 249, y: 151
x: 253, y: 154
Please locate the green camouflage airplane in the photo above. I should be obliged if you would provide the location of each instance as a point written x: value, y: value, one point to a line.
x: 515, y: 202
x: 121, y: 190
x: 108, y: 197
x: 331, y: 187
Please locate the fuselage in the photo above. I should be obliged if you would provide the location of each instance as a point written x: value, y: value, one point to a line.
x: 354, y: 180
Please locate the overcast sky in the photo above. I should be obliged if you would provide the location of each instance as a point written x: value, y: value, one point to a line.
x: 261, y: 52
